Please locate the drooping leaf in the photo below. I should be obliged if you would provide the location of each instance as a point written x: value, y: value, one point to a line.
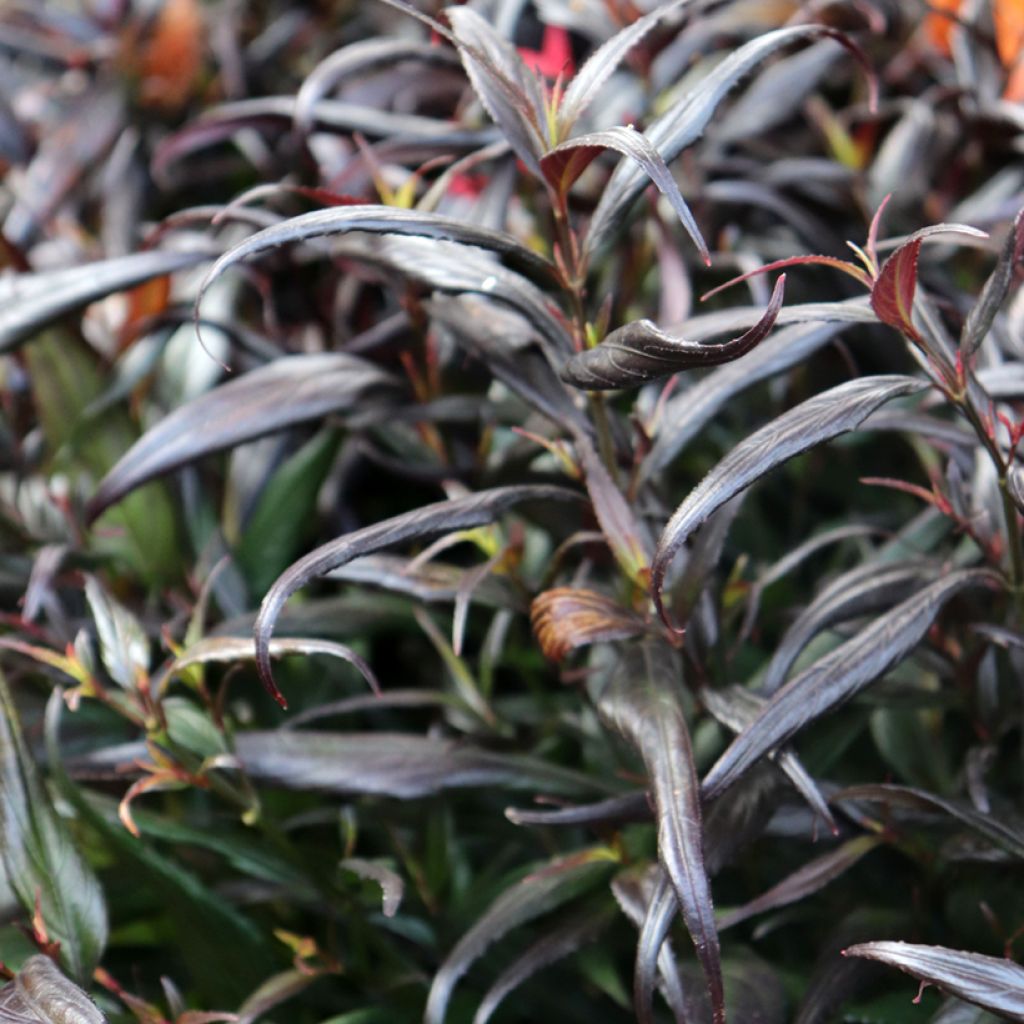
x: 684, y: 122
x: 40, y: 994
x: 861, y: 591
x: 892, y: 296
x: 581, y: 92
x: 839, y: 675
x: 544, y: 890
x: 226, y: 649
x: 984, y: 310
x: 641, y: 702
x: 641, y: 351
x: 563, y: 940
x: 805, y: 881
x: 42, y: 861
x: 736, y: 707
x: 987, y: 981
x: 509, y: 91
x: 562, y: 165
x: 290, y: 390
x: 819, y: 419
x: 28, y: 302
x: 391, y: 884
x: 375, y: 219
x: 441, y: 517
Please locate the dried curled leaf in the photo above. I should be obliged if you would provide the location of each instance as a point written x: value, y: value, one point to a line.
x: 566, y: 618
x: 40, y: 994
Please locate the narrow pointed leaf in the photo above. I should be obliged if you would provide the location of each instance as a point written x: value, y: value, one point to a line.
x: 290, y: 390
x: 858, y: 273
x: 29, y: 302
x: 684, y: 122
x: 805, y: 881
x: 641, y: 702
x: 980, y: 318
x: 41, y: 858
x: 838, y: 676
x: 989, y: 982
x: 641, y: 351
x: 689, y: 410
x: 441, y: 517
x: 376, y: 219
x: 545, y: 890
x: 811, y: 423
x: 616, y: 810
x: 568, y: 160
x: 562, y: 941
x: 124, y: 646
x: 892, y: 297
x: 581, y: 92
x: 506, y: 87
x: 861, y: 591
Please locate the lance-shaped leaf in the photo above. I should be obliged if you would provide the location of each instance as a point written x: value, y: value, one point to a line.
x: 892, y: 296
x: 124, y: 646
x: 29, y: 302
x: 562, y: 941
x: 227, y: 649
x: 641, y: 351
x: 994, y: 828
x: 442, y: 517
x: 838, y: 676
x: 565, y: 618
x: 861, y: 591
x: 642, y: 703
x: 987, y: 981
x: 506, y: 87
x: 819, y: 419
x: 581, y: 92
x: 290, y: 390
x: 41, y: 858
x: 544, y: 890
x: 736, y: 707
x: 980, y: 318
x: 689, y: 410
x: 374, y: 219
x: 568, y: 160
x: 805, y: 881
x: 40, y: 994
x: 616, y: 810
x: 684, y: 122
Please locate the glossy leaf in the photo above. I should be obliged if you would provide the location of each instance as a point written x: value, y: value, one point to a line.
x: 400, y: 765
x: 40, y: 994
x: 124, y: 646
x: 892, y: 296
x: 984, y: 310
x: 819, y: 419
x: 641, y: 351
x: 805, y: 881
x: 616, y: 810
x: 641, y: 702
x: 839, y: 675
x: 28, y: 302
x: 993, y: 983
x: 586, y: 84
x: 684, y: 122
x: 290, y: 390
x: 41, y: 858
x: 544, y: 890
x: 568, y: 160
x: 506, y: 87
x: 861, y: 591
x: 430, y: 520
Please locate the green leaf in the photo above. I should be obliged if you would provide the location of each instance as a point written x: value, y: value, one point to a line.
x: 41, y: 857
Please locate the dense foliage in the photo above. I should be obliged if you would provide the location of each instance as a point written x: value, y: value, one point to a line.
x: 642, y: 615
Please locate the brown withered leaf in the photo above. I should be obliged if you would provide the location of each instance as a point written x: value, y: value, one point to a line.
x: 565, y: 618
